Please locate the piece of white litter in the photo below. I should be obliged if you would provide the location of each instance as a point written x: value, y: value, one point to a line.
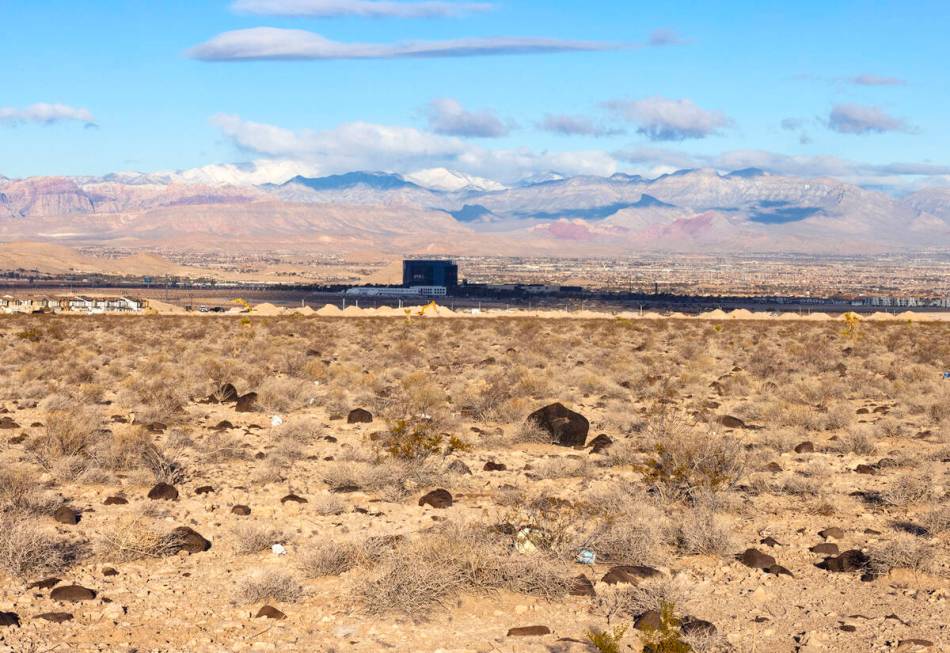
x: 276, y: 420
x: 279, y: 550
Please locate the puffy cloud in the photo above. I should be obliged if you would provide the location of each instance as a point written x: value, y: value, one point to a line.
x: 861, y: 119
x: 46, y: 114
x: 272, y: 43
x: 876, y: 80
x: 367, y: 146
x: 576, y: 126
x: 665, y: 119
x: 448, y: 117
x: 364, y: 8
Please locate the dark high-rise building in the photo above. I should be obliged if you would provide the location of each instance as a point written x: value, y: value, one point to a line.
x: 430, y: 273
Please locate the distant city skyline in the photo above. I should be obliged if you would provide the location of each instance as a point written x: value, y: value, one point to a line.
x: 500, y: 90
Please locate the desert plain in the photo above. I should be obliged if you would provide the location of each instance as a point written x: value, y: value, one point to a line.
x: 175, y: 483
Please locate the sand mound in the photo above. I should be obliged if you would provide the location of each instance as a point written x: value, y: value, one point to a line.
x: 717, y: 314
x: 267, y: 309
x: 329, y: 310
x: 743, y: 314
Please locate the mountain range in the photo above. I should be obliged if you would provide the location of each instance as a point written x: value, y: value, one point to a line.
x: 443, y: 211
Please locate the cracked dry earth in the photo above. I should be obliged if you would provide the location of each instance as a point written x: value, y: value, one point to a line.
x: 207, y: 484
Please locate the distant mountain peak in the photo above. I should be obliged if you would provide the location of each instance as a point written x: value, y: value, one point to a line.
x: 375, y: 180
x: 453, y: 181
x: 747, y: 173
x: 542, y: 178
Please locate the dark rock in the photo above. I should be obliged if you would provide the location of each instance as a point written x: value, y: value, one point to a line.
x: 115, y: 501
x: 865, y: 469
x: 629, y: 574
x: 55, y: 617
x: 227, y: 394
x: 805, y: 447
x: 187, y: 539
x: 529, y: 631
x: 852, y: 560
x: 773, y: 467
x: 568, y: 428
x: 492, y: 466
x: 847, y: 628
x: 731, y: 422
x: 915, y: 642
x: 44, y: 584
x: 359, y: 416
x: 110, y: 571
x: 693, y: 626
x: 459, y: 467
x: 72, y: 593
x: 770, y: 541
x: 9, y: 619
x: 270, y: 612
x: 825, y: 548
x: 778, y: 570
x: 600, y: 444
x: 204, y: 489
x: 223, y: 425
x: 7, y: 423
x: 66, y: 515
x: 241, y: 510
x: 437, y: 499
x: 246, y: 403
x: 293, y: 498
x: 156, y: 427
x: 833, y: 531
x: 886, y: 462
x: 581, y: 586
x: 648, y: 621
x: 345, y: 489
x: 862, y: 411
x: 163, y: 492
x: 756, y: 559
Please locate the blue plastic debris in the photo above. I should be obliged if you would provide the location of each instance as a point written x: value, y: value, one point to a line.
x: 586, y: 557
x: 946, y: 375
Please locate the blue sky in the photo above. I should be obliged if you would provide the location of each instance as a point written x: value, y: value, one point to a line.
x: 96, y: 87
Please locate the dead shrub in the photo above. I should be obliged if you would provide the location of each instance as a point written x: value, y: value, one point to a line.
x: 252, y: 538
x: 68, y: 433
x: 28, y: 550
x: 700, y: 532
x: 134, y: 537
x: 903, y: 553
x: 439, y: 565
x: 625, y: 601
x: 937, y: 521
x: 907, y: 490
x: 687, y: 460
x: 331, y: 558
x: 629, y: 538
x: 857, y: 441
x: 268, y: 585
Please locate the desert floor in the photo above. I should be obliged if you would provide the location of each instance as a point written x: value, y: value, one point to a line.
x: 174, y: 483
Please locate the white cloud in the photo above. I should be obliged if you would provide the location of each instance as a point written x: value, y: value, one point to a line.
x: 272, y: 43
x: 665, y: 119
x: 861, y: 119
x: 46, y: 114
x: 576, y: 126
x: 364, y: 8
x: 367, y: 146
x: 447, y: 116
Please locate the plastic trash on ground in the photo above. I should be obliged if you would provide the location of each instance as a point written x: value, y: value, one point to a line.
x: 279, y: 550
x: 523, y: 543
x: 586, y: 557
x: 276, y: 420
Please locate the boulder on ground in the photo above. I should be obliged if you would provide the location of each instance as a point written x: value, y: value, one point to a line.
x: 163, y: 492
x: 359, y: 416
x: 187, y: 539
x: 437, y: 499
x: 566, y: 427
x: 72, y: 593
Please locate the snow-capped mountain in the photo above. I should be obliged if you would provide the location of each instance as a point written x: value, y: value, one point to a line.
x: 452, y: 181
x: 689, y: 210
